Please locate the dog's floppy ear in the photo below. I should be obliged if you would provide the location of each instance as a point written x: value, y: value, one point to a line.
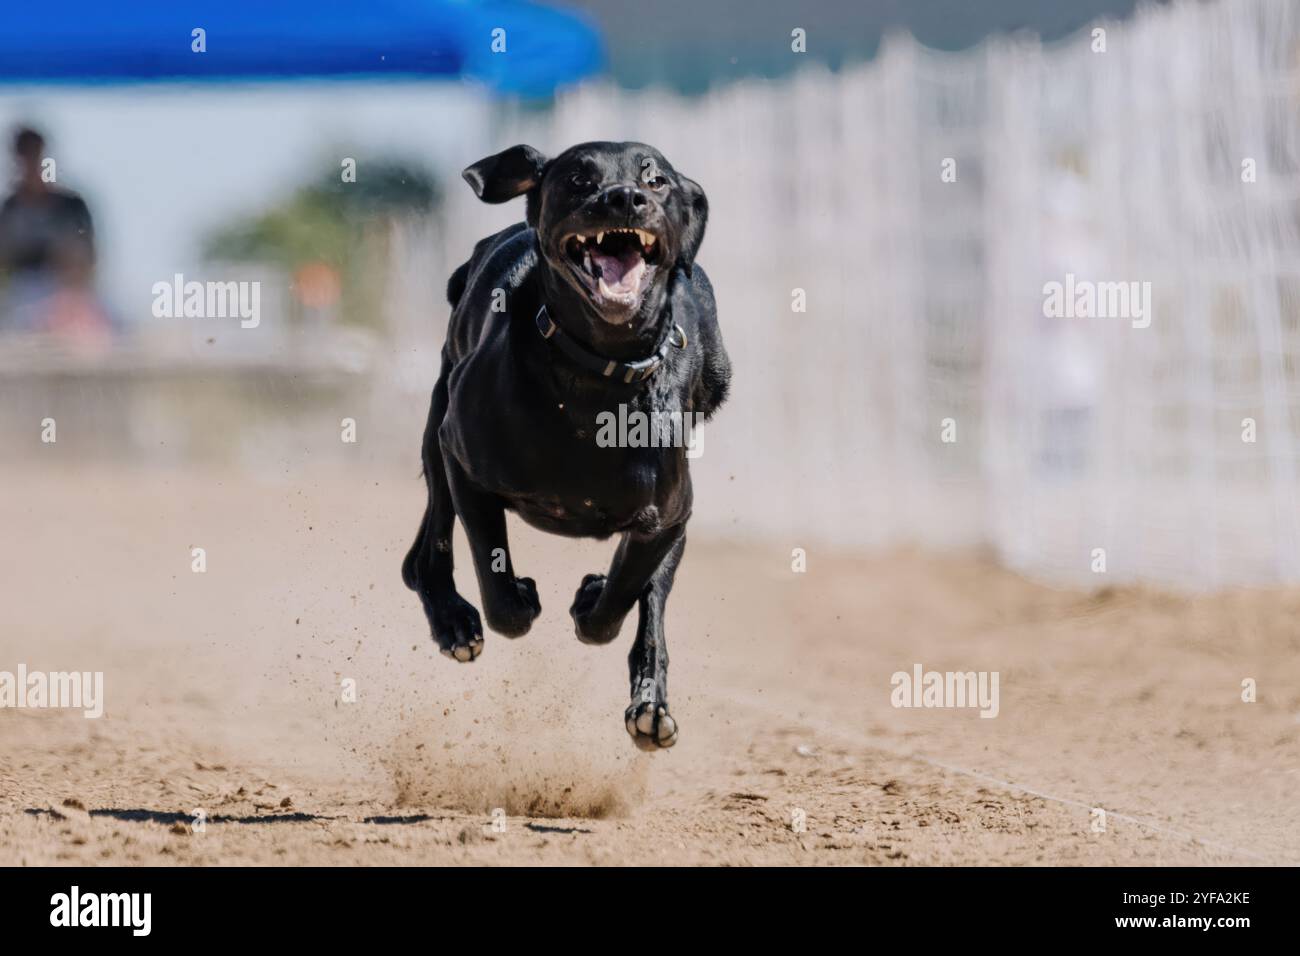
x: 510, y: 173
x: 697, y: 215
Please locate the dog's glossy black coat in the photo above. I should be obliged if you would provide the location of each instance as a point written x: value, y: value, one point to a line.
x: 513, y: 421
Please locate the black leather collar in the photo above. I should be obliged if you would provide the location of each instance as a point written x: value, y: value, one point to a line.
x: 625, y: 372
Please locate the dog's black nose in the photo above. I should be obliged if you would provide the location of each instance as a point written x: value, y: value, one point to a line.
x: 623, y: 199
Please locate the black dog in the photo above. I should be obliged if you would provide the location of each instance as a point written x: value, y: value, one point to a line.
x: 595, y: 303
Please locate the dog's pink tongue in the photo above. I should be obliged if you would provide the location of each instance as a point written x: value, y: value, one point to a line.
x: 621, y: 273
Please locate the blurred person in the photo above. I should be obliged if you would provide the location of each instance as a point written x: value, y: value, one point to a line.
x: 47, y: 253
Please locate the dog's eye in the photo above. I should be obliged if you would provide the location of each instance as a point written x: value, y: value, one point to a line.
x: 579, y: 180
x: 657, y: 182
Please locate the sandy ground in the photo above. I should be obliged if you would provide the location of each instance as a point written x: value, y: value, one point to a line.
x: 223, y: 695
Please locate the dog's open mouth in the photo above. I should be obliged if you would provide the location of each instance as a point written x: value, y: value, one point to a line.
x: 614, y: 265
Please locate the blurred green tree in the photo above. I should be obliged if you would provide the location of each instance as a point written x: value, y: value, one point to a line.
x: 332, y: 237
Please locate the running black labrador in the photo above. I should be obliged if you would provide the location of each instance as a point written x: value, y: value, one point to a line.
x: 594, y: 303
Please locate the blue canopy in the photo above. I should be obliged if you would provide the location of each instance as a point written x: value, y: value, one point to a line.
x: 98, y: 41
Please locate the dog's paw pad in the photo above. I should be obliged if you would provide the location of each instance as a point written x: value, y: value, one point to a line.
x: 650, y: 725
x: 464, y: 652
x: 458, y: 630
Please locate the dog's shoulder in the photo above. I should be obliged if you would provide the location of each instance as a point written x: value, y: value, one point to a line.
x: 485, y: 250
x: 499, y: 266
x: 698, y: 307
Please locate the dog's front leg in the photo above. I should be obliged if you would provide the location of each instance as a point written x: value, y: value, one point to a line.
x: 647, y: 718
x: 641, y: 573
x: 510, y: 604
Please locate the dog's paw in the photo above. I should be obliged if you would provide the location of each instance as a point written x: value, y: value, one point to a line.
x: 512, y: 612
x: 457, y: 628
x: 585, y: 625
x: 650, y: 725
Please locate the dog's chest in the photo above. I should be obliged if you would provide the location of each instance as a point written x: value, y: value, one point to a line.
x: 584, y: 487
x: 584, y: 472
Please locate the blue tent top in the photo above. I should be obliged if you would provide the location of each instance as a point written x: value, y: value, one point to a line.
x: 97, y: 41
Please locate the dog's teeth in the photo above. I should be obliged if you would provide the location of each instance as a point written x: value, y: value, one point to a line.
x: 600, y: 237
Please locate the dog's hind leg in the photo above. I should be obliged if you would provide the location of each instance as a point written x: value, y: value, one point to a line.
x: 428, y: 567
x: 647, y: 718
x: 510, y: 603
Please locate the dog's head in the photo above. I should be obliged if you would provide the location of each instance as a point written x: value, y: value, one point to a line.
x: 613, y: 219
